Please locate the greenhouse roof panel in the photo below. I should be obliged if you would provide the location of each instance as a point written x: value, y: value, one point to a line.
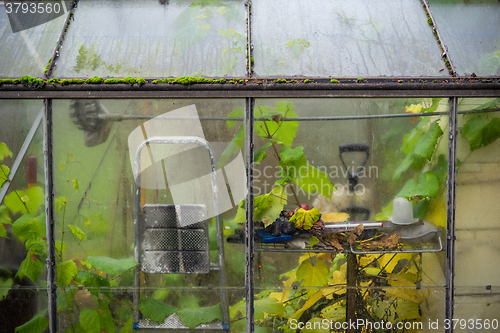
x: 155, y: 39
x: 27, y: 51
x: 344, y: 39
x: 471, y: 32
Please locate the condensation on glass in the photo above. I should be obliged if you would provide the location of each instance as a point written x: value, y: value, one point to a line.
x: 155, y: 39
x: 471, y: 35
x: 27, y: 52
x: 343, y: 39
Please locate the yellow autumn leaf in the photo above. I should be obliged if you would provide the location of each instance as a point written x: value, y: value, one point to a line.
x: 389, y: 263
x: 278, y: 296
x: 339, y: 277
x: 335, y: 217
x: 310, y: 302
x: 437, y: 212
x: 368, y: 259
x: 409, y: 291
x: 287, y: 284
x: 414, y: 108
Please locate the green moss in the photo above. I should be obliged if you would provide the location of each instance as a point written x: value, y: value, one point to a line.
x: 94, y: 80
x: 307, y: 81
x: 70, y: 81
x: 400, y: 81
x: 429, y: 20
x: 280, y: 81
x: 242, y: 81
x: 435, y: 81
x: 47, y: 67
x: 334, y: 81
x: 187, y: 80
x: 251, y: 60
x: 360, y: 80
x: 7, y: 81
x: 53, y: 81
x: 140, y: 81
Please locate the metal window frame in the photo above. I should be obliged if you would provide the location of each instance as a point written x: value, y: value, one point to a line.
x: 415, y: 87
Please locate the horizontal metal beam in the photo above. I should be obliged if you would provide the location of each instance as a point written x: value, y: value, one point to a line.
x: 258, y: 89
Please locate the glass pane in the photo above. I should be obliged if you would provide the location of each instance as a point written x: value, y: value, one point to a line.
x: 470, y: 32
x: 477, y: 224
x: 323, y: 162
x: 343, y: 39
x: 102, y: 186
x: 23, y: 249
x: 155, y: 39
x: 27, y: 52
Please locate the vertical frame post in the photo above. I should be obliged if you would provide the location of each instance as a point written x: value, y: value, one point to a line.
x: 48, y: 156
x: 450, y: 222
x: 249, y: 223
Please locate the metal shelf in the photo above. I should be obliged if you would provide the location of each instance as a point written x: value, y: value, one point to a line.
x: 429, y: 242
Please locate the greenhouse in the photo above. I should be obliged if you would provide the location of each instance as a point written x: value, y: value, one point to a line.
x: 249, y: 166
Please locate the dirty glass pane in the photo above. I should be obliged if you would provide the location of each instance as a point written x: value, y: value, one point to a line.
x: 102, y: 185
x: 155, y: 39
x: 27, y: 52
x: 23, y: 249
x: 348, y: 160
x: 470, y: 32
x: 477, y: 225
x: 343, y: 39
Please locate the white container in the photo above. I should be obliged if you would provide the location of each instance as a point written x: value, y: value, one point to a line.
x: 402, y: 212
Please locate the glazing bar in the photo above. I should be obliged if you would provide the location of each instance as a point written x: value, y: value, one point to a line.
x: 48, y: 154
x: 450, y: 222
x: 249, y: 225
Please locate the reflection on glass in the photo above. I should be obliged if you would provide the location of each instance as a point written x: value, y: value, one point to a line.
x: 164, y: 267
x: 155, y: 39
x: 27, y: 52
x: 343, y: 39
x: 469, y: 31
x: 321, y: 167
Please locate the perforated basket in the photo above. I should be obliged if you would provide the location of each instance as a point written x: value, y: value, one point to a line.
x: 175, y: 239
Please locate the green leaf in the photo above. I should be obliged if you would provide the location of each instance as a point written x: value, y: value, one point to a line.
x: 304, y: 219
x: 34, y: 263
x: 111, y: 265
x: 75, y: 184
x: 4, y: 151
x: 268, y: 306
x: 312, y: 181
x: 236, y: 113
x: 490, y: 104
x: 292, y: 157
x: 4, y: 219
x: 77, y: 232
x: 267, y: 207
x: 89, y: 279
x: 285, y: 131
x: 36, y: 324
x: 434, y: 105
x: 491, y: 131
x: 472, y: 131
x: 128, y: 327
x: 66, y: 271
x: 427, y: 186
x: 5, y: 287
x: 200, y: 315
x: 29, y: 229
x: 59, y: 204
x: 261, y: 153
x: 154, y: 309
x: 233, y: 147
x: 18, y: 201
x: 441, y: 169
x: 427, y: 143
x: 4, y: 173
x: 313, y: 276
x: 97, y: 320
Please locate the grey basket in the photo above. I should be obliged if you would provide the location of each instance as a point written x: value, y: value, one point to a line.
x: 175, y: 239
